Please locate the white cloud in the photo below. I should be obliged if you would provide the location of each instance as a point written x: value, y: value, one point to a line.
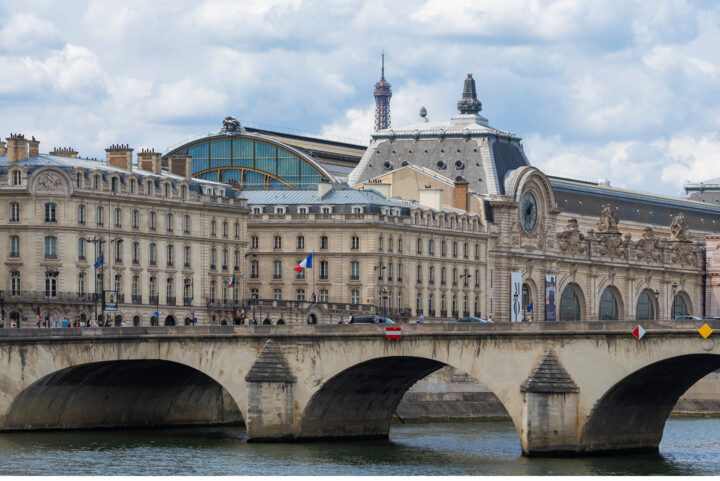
x: 182, y: 100
x: 26, y: 33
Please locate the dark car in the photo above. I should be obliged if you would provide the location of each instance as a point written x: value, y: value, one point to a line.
x: 371, y: 320
x: 472, y: 319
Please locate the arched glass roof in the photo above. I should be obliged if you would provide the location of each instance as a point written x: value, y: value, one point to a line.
x: 251, y: 162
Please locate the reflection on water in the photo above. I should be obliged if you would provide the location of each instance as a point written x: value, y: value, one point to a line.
x: 689, y: 447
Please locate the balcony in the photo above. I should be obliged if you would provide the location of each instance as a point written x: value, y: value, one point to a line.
x: 136, y: 299
x: 455, y: 314
x: 41, y: 296
x: 431, y: 313
x: 154, y: 300
x: 466, y: 313
x: 443, y: 313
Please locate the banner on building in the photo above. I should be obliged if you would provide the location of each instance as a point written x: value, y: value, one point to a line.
x: 550, y: 302
x: 110, y: 301
x: 516, y: 296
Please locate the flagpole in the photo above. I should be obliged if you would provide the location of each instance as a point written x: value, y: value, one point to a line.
x: 314, y: 293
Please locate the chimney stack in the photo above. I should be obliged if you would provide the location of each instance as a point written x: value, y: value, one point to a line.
x: 180, y: 164
x: 150, y: 160
x: 34, y: 147
x: 120, y: 156
x: 68, y: 152
x: 17, y: 148
x: 2, y: 149
x: 461, y: 194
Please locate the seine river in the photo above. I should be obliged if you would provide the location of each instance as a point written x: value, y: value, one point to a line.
x: 689, y: 447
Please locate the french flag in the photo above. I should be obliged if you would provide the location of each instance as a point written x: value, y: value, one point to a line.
x: 305, y: 264
x: 232, y: 282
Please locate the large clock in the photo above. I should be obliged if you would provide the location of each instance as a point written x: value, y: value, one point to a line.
x: 528, y: 211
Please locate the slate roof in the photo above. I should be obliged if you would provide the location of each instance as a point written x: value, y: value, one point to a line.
x: 550, y: 377
x: 270, y: 366
x: 310, y: 197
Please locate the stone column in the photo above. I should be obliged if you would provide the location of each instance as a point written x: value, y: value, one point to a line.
x: 271, y: 397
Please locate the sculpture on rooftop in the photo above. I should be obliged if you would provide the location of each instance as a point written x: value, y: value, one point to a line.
x: 608, y: 220
x: 469, y: 103
x: 679, y: 229
x: 231, y: 125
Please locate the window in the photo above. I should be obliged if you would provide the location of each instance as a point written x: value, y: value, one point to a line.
x: 419, y: 274
x: 300, y: 242
x: 477, y: 251
x: 136, y: 253
x: 399, y: 272
x: 14, y: 212
x: 255, y: 293
x: 300, y: 294
x: 132, y: 186
x: 418, y: 304
x: 50, y: 209
x: 443, y: 276
x: 148, y: 188
x: 135, y: 219
x: 326, y: 210
x: 419, y: 246
x: 256, y: 210
x: 277, y: 294
x: 187, y: 290
x: 224, y: 259
x: 135, y: 286
x: 354, y: 271
x: 51, y: 284
x: 277, y: 269
x: 454, y: 249
x: 99, y: 216
x: 170, y: 251
x: 183, y: 192
x: 390, y: 271
x: 355, y: 242
x: 96, y: 182
x: 17, y: 177
x: 254, y: 270
x: 118, y: 283
x: 236, y: 260
x: 153, y: 224
x: 118, y: 251
x: 81, y: 214
x: 477, y: 279
x: 355, y: 296
x: 237, y: 230
x: 301, y: 273
x: 323, y: 242
x: 431, y: 247
x: 324, y: 270
x: 454, y: 276
x: 15, y: 246
x: 277, y: 242
x: 114, y: 184
x: 225, y: 229
x: 324, y: 296
x: 118, y: 218
x: 186, y: 224
x: 186, y: 256
x: 608, y: 306
x: 466, y: 252
x: 15, y: 283
x: 81, y: 284
x: 465, y: 278
x: 169, y: 221
x: 213, y: 285
x: 213, y: 258
x: 50, y: 247
x: 78, y: 180
x: 400, y: 244
x: 153, y: 254
x: 431, y: 275
x: 167, y: 190
x: 570, y: 305
x: 357, y: 210
x: 213, y: 228
x: 254, y: 242
x: 170, y: 289
x: 380, y: 243
x: 443, y: 249
x: 390, y: 244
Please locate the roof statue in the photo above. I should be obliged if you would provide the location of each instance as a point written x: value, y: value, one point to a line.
x: 231, y: 126
x: 679, y: 229
x: 469, y: 103
x: 383, y: 92
x: 608, y: 220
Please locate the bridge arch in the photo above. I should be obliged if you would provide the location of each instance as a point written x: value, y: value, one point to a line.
x: 359, y: 400
x: 635, y: 408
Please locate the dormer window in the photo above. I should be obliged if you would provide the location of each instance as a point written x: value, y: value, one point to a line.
x: 16, y: 177
x: 303, y: 210
x: 326, y: 209
x: 280, y: 209
x: 357, y: 209
x: 396, y: 212
x: 257, y: 210
x: 167, y: 190
x: 132, y: 186
x: 96, y: 182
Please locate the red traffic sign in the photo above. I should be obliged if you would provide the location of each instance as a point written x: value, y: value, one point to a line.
x: 393, y: 332
x: 192, y: 310
x: 638, y: 332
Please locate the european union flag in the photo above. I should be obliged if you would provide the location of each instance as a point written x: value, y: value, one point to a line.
x: 99, y: 262
x: 530, y: 307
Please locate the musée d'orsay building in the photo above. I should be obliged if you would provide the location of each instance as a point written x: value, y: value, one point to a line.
x: 441, y: 218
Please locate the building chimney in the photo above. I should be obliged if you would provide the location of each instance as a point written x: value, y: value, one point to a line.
x: 68, y: 152
x: 34, y: 147
x: 180, y: 164
x: 150, y: 160
x: 17, y: 148
x: 431, y: 198
x: 461, y: 194
x: 120, y: 156
x: 2, y: 149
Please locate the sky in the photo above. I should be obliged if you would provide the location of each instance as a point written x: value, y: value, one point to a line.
x: 615, y: 89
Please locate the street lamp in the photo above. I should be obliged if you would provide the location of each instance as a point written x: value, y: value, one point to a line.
x: 465, y: 278
x: 95, y: 241
x: 112, y: 241
x: 245, y: 297
x: 49, y: 275
x: 672, y: 308
x: 379, y: 267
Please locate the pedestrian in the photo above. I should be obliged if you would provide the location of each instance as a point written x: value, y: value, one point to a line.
x: 65, y: 323
x: 122, y: 324
x: 421, y: 320
x: 56, y: 324
x: 376, y: 319
x: 490, y: 318
x: 350, y: 319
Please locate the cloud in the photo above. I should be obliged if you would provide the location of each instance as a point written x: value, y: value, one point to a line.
x: 28, y: 34
x: 183, y: 100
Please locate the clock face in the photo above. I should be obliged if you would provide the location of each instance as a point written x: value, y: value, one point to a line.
x: 528, y: 211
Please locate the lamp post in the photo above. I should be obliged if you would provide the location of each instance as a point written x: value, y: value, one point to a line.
x: 465, y: 278
x: 95, y: 241
x: 245, y: 297
x: 49, y: 275
x: 672, y: 308
x: 379, y: 267
x: 657, y: 299
x: 112, y: 241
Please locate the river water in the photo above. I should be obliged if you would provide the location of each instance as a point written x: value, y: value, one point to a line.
x: 689, y: 447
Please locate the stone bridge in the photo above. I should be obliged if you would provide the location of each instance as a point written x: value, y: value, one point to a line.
x: 570, y: 388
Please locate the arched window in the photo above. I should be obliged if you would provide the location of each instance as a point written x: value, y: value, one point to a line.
x: 526, y: 300
x: 570, y: 305
x: 608, y: 306
x: 645, y: 307
x: 680, y: 307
